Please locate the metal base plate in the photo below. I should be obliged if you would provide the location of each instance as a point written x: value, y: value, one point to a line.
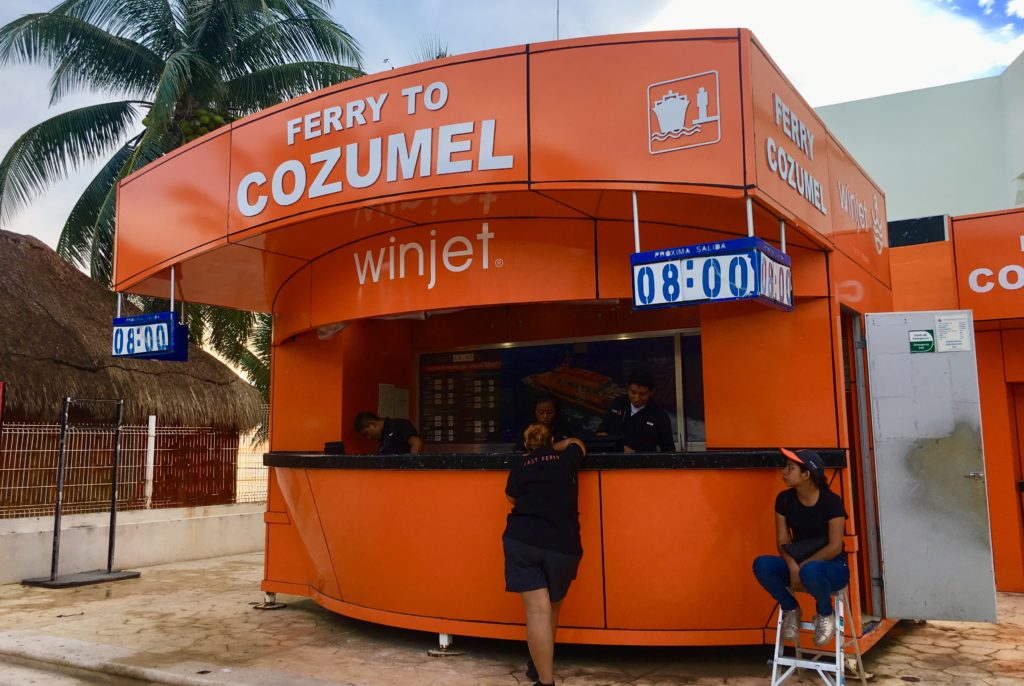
x: 443, y: 652
x: 98, y: 576
x: 269, y: 606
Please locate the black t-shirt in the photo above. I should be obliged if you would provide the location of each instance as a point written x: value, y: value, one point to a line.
x: 559, y: 432
x: 645, y: 431
x: 394, y: 437
x: 810, y: 522
x: 546, y: 513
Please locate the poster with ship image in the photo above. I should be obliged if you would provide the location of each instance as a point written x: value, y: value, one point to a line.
x: 488, y: 396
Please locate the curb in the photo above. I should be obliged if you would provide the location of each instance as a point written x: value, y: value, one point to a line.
x: 109, y: 667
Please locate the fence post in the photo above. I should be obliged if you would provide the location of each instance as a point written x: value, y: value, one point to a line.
x: 59, y: 497
x: 150, y: 459
x: 113, y: 489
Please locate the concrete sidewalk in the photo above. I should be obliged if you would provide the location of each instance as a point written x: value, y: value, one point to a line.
x: 193, y: 623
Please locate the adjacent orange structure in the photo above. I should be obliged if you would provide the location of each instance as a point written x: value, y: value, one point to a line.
x: 980, y: 267
x: 486, y: 202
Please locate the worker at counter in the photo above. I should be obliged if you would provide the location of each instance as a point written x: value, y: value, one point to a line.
x: 396, y: 436
x: 634, y: 418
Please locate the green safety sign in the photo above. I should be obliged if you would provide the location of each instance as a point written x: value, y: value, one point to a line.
x: 922, y: 341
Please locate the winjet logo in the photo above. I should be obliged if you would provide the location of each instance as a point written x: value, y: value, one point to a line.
x: 1009, y: 277
x: 457, y: 255
x: 683, y: 113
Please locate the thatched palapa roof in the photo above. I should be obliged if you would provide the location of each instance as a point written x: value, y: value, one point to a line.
x: 55, y: 341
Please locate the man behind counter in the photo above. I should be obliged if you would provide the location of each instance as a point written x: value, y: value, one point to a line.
x: 396, y: 436
x: 633, y: 418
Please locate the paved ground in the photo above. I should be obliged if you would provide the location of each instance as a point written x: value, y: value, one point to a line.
x: 192, y: 623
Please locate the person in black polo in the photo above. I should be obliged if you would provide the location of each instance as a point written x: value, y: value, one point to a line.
x: 542, y: 538
x: 642, y: 426
x: 396, y: 436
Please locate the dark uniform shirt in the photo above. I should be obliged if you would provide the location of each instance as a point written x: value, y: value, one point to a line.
x: 546, y: 514
x: 645, y: 432
x: 394, y: 437
x: 810, y: 523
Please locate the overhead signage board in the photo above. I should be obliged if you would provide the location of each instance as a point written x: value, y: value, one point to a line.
x: 739, y: 269
x: 156, y: 336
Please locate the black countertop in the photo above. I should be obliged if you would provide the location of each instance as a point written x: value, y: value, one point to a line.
x: 711, y: 459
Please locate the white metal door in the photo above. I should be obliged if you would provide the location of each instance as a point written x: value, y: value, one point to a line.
x: 929, y: 465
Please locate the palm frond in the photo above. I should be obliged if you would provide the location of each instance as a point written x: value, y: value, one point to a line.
x: 430, y: 48
x: 149, y: 22
x: 153, y: 143
x: 84, y: 55
x: 299, y: 39
x: 185, y: 75
x: 267, y: 87
x: 48, y: 151
x: 75, y: 243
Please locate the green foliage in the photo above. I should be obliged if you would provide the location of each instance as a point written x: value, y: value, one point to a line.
x: 430, y: 48
x: 191, y: 67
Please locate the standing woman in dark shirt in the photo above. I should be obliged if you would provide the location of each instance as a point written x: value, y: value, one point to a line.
x: 542, y: 538
x: 548, y: 411
x: 809, y: 525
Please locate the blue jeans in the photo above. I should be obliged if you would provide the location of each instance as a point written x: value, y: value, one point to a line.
x: 820, y: 578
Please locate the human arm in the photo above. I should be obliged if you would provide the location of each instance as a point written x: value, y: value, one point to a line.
x: 566, y: 442
x: 415, y: 445
x: 510, y: 499
x: 836, y: 525
x: 784, y: 537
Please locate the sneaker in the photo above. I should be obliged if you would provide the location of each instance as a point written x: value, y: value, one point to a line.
x: 824, y: 628
x: 791, y: 624
x: 531, y: 670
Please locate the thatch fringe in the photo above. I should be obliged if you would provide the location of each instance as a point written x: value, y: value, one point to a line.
x: 55, y: 341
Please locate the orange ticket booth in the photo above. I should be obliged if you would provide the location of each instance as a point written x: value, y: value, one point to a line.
x: 444, y: 240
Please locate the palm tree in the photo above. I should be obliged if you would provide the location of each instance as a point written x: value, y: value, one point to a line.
x: 185, y: 66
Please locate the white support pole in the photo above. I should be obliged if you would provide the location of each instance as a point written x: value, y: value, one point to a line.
x: 782, y: 234
x: 750, y: 217
x: 150, y: 459
x: 119, y: 305
x: 636, y: 226
x: 172, y: 289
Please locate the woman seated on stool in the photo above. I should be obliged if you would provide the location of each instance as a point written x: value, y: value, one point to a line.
x: 809, y: 525
x: 542, y: 538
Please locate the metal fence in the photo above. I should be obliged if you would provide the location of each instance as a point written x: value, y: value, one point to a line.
x: 159, y: 467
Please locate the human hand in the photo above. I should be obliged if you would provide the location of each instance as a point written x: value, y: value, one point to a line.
x: 794, y: 579
x: 626, y: 449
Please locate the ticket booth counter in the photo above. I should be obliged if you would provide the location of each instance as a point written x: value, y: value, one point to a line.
x: 478, y: 209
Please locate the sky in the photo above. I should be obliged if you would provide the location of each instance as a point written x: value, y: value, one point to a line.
x: 832, y: 50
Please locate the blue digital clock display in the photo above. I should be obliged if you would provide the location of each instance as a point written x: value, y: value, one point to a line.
x: 738, y: 269
x: 156, y: 336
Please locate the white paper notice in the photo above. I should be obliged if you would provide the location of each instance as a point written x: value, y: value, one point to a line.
x: 952, y: 333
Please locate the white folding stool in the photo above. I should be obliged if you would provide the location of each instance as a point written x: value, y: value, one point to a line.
x: 834, y: 666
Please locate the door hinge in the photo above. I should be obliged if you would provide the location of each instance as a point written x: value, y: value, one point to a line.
x: 860, y: 343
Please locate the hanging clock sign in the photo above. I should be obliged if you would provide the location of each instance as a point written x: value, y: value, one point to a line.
x: 738, y: 269
x: 156, y: 336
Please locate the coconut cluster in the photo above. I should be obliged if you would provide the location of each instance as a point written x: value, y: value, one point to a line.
x: 200, y: 123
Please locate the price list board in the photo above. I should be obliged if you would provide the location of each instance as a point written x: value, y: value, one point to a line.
x: 460, y: 397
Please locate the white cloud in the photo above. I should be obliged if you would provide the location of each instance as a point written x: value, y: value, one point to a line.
x: 1015, y: 8
x: 835, y: 53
